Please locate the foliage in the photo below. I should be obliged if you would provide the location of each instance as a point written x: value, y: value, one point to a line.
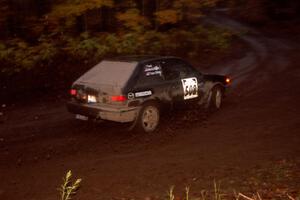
x: 213, y: 37
x: 64, y: 16
x: 53, y: 37
x: 132, y: 20
x: 18, y: 55
x: 168, y: 16
x: 78, y: 7
x: 85, y: 47
x: 190, y: 10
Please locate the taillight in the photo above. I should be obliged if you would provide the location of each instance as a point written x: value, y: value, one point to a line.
x: 119, y: 98
x: 73, y: 92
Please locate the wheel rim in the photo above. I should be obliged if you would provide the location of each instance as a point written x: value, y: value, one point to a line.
x: 150, y: 118
x: 218, y: 99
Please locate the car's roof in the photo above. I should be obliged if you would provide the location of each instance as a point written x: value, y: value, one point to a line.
x: 140, y: 58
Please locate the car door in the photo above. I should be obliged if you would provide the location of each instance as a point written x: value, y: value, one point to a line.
x: 172, y: 75
x: 183, y: 80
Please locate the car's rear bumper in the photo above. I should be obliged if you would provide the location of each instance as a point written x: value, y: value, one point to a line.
x: 105, y: 113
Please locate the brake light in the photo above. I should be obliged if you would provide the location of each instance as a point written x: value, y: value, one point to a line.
x: 119, y: 98
x: 73, y: 92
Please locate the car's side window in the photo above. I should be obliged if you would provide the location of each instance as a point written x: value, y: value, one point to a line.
x: 175, y: 69
x: 151, y: 73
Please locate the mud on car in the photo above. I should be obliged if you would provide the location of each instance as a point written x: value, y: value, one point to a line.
x: 137, y: 88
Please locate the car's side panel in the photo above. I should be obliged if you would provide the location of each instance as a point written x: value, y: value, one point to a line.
x: 178, y: 83
x: 149, y: 84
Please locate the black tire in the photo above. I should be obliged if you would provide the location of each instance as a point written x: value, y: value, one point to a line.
x: 215, y: 98
x: 148, y: 118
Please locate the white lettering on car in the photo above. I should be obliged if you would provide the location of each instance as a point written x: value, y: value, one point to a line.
x: 153, y: 73
x: 151, y: 70
x: 143, y: 93
x: 190, y: 88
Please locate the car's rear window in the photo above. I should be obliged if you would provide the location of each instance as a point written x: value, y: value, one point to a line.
x: 114, y: 73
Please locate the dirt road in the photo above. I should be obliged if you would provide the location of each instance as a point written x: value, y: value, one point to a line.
x: 257, y: 128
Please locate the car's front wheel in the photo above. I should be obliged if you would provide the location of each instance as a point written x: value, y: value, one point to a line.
x: 148, y: 118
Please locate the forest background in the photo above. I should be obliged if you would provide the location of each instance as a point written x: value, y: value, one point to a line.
x: 45, y: 45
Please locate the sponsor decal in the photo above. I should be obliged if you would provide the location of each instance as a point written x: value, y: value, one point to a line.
x: 143, y: 93
x: 151, y: 70
x: 153, y: 73
x: 190, y: 88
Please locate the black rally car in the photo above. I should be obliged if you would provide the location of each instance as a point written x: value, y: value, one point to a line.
x: 137, y: 88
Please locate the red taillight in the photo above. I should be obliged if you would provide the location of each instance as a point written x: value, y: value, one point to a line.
x: 73, y: 92
x: 118, y: 98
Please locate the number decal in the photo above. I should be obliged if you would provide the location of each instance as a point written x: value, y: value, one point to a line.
x: 190, y: 88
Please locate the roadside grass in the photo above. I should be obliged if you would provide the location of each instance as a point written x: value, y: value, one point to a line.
x: 68, y: 189
x: 278, y: 180
x: 218, y: 194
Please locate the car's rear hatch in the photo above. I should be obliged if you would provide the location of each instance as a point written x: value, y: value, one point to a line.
x: 104, y: 82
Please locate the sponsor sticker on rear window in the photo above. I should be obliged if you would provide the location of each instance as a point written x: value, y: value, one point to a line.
x: 151, y: 70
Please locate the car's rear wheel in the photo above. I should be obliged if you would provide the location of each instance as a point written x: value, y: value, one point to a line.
x: 148, y: 118
x: 216, y: 98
